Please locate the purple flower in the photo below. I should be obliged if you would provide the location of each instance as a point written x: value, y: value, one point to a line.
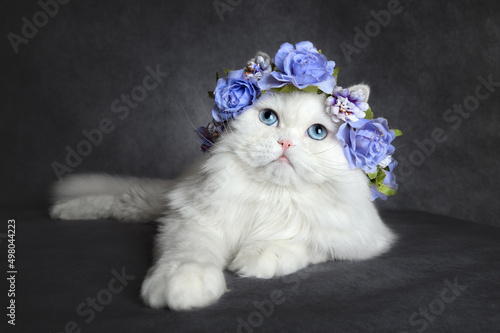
x: 233, y: 95
x: 209, y: 134
x: 346, y: 105
x: 206, y: 138
x: 389, y: 181
x: 366, y: 143
x: 301, y: 66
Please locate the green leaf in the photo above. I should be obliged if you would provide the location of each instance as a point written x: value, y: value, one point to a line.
x: 369, y: 114
x: 211, y: 94
x: 287, y: 88
x: 336, y: 72
x: 386, y: 190
x: 319, y: 51
x: 310, y: 89
x: 377, y: 179
x: 217, y: 77
x: 380, y: 177
x: 398, y: 132
x: 291, y: 87
x: 227, y: 70
x: 379, y: 182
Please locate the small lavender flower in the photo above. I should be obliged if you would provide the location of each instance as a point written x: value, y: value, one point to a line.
x: 346, y: 105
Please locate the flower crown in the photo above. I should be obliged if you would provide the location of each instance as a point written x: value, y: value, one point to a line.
x: 366, y: 141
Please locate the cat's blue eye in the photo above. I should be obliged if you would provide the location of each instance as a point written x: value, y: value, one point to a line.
x: 317, y: 132
x: 268, y: 117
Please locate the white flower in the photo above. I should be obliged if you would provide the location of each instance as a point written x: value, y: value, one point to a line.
x: 259, y: 66
x: 264, y: 62
x: 385, y: 162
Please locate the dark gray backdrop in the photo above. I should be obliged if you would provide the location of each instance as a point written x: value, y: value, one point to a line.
x: 422, y: 61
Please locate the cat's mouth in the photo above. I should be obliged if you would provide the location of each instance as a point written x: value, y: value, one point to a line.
x: 283, y: 159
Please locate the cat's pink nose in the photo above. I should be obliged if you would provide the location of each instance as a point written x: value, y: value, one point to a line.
x: 285, y: 144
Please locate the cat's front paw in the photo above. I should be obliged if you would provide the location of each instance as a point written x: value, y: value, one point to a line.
x: 267, y: 260
x: 183, y: 287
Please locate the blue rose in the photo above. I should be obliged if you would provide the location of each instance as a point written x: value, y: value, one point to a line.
x: 389, y: 181
x: 301, y: 66
x: 366, y: 143
x: 233, y: 95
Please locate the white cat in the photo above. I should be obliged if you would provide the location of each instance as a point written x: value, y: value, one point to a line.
x: 269, y: 198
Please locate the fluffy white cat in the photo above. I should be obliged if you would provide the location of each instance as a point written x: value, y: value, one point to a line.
x: 267, y: 200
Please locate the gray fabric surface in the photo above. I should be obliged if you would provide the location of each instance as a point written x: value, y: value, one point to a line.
x: 63, y: 265
x: 421, y: 62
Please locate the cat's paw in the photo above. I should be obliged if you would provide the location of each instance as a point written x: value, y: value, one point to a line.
x: 269, y: 260
x: 183, y: 287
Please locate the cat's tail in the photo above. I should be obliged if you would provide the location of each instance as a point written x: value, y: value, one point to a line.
x: 99, y: 196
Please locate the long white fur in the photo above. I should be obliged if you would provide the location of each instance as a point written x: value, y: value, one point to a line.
x: 98, y: 196
x: 243, y: 209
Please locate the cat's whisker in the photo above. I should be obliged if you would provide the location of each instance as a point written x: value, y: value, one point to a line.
x: 344, y: 176
x: 330, y: 160
x: 195, y: 128
x: 228, y: 125
x: 345, y: 179
x: 204, y: 106
x: 226, y: 135
x: 205, y: 109
x: 326, y: 150
x: 209, y: 115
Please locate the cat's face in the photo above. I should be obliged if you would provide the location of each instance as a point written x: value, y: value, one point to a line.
x: 287, y: 139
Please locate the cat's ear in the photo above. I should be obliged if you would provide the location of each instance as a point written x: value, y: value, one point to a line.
x: 364, y: 88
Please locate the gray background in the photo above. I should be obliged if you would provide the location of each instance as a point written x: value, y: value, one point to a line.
x: 424, y: 61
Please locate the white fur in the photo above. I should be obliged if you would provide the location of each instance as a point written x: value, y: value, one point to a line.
x: 245, y: 210
x: 364, y: 88
x: 103, y: 196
